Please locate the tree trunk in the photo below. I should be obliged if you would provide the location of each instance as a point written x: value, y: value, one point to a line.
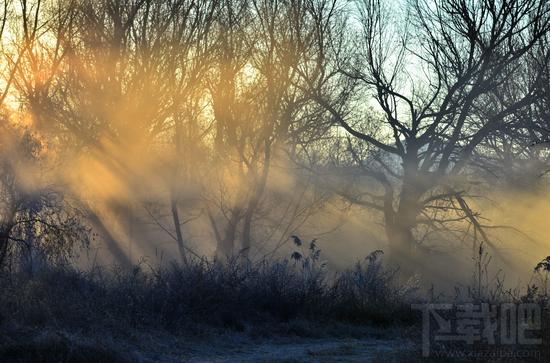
x: 226, y: 245
x: 4, y: 240
x: 400, y: 236
x: 247, y: 232
x: 249, y: 214
x: 400, y: 223
x: 177, y: 226
x: 259, y: 189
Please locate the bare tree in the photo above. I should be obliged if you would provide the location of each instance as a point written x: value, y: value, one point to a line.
x: 121, y: 82
x: 261, y: 109
x: 442, y: 79
x: 35, y: 218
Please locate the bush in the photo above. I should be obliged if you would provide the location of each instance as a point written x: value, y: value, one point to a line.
x: 371, y: 292
x: 229, y: 294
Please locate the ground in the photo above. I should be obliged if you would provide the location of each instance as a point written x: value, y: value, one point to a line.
x: 51, y: 345
x: 299, y: 350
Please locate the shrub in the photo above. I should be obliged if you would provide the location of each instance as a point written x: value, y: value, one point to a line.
x: 229, y: 294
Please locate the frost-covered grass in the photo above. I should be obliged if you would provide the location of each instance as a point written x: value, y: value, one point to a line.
x: 61, y: 313
x: 65, y: 314
x: 229, y: 294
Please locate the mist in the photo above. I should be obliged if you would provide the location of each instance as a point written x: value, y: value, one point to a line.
x: 366, y: 154
x: 213, y: 146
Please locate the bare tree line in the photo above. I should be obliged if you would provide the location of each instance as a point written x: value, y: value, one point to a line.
x: 207, y: 100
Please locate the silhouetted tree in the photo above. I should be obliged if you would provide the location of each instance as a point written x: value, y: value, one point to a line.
x: 441, y: 77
